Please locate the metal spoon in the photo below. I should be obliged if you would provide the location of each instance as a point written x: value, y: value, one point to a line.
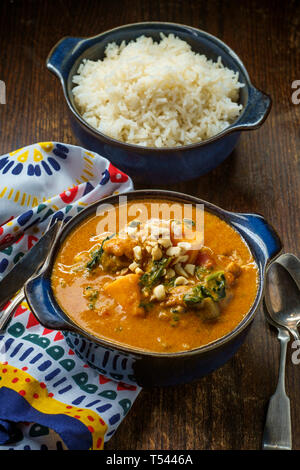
x: 282, y: 294
x: 37, y: 257
x: 278, y: 430
x: 281, y: 307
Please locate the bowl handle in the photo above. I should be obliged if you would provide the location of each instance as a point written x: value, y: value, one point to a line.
x: 259, y: 234
x: 38, y: 295
x: 256, y: 111
x: 61, y: 54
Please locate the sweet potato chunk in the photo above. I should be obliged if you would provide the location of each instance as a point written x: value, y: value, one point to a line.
x: 126, y: 292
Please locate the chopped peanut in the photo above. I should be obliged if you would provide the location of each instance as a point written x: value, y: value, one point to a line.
x: 180, y: 280
x: 159, y: 292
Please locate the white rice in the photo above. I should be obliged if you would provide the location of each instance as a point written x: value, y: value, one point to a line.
x: 156, y: 94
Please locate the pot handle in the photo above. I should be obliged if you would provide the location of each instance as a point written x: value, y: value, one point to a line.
x: 61, y: 55
x: 259, y: 234
x: 256, y: 111
x: 38, y: 295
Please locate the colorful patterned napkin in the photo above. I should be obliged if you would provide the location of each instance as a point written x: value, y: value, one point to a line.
x: 50, y: 399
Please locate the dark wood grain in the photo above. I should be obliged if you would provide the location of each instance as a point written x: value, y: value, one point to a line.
x: 226, y: 409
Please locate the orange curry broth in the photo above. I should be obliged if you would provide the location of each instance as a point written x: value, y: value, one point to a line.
x: 113, y: 322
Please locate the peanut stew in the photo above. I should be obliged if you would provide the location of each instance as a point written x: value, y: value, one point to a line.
x: 156, y: 284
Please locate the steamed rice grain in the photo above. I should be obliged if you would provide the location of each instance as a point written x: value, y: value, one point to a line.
x: 156, y: 94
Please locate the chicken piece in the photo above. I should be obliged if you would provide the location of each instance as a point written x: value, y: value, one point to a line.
x: 230, y: 279
x: 211, y: 310
x: 112, y: 263
x: 233, y: 268
x: 175, y: 296
x: 120, y: 246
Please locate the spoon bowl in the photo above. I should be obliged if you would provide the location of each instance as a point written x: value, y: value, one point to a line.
x: 282, y: 297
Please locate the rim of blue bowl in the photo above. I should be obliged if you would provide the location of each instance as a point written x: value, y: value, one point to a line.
x: 127, y: 349
x: 233, y: 127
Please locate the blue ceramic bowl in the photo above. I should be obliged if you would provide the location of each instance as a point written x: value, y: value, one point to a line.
x: 141, y: 367
x: 165, y: 165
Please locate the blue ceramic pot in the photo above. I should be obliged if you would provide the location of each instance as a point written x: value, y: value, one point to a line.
x: 165, y: 165
x: 141, y: 367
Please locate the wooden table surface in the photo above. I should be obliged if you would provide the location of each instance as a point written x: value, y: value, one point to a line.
x: 225, y: 410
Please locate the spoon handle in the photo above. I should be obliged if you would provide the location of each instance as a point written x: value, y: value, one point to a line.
x: 278, y: 431
x: 8, y: 312
x: 294, y: 331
